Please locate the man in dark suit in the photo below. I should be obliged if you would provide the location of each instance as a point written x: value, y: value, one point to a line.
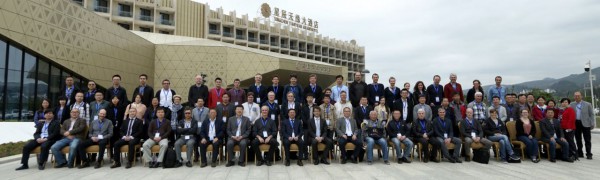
x: 444, y: 135
x: 198, y: 90
x: 553, y: 134
x: 259, y: 90
x: 347, y: 132
x: 277, y: 89
x: 46, y: 134
x: 317, y: 133
x: 294, y: 88
x: 132, y: 131
x: 238, y: 130
x: 423, y: 134
x: 391, y: 93
x: 405, y: 106
x: 226, y: 109
x: 291, y: 133
x: 361, y: 112
x: 399, y: 132
x: 435, y: 92
x: 265, y: 131
x: 314, y: 89
x: 357, y: 89
x: 117, y: 90
x: 375, y: 91
x: 69, y: 90
x: 212, y: 132
x: 144, y: 90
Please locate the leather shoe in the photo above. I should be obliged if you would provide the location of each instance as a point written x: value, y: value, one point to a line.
x: 203, y: 165
x: 354, y: 161
x: 287, y: 162
x: 128, y: 165
x: 98, y: 165
x: 61, y: 165
x: 259, y: 163
x: 268, y: 163
x: 188, y: 164
x: 41, y: 166
x: 300, y: 163
x: 405, y: 160
x: 241, y: 164
x: 115, y: 165
x: 324, y: 161
x: 315, y: 162
x: 22, y: 167
x: 344, y: 161
x: 84, y: 165
x: 213, y: 164
x: 229, y: 164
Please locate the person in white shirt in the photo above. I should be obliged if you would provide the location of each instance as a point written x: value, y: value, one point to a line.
x: 343, y: 103
x: 251, y: 109
x: 336, y: 91
x: 82, y: 107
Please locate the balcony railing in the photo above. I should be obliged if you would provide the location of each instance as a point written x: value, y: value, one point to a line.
x: 274, y: 44
x: 145, y: 18
x: 166, y: 22
x: 214, y: 31
x: 103, y: 9
x: 227, y: 34
x: 264, y: 42
x: 252, y: 39
x: 240, y: 37
x: 284, y: 46
x: 124, y: 13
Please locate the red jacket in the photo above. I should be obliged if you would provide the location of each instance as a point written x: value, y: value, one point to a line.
x: 568, y: 119
x: 214, y: 97
x: 448, y: 91
x: 538, y: 115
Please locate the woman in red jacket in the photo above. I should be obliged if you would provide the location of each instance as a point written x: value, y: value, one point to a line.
x: 567, y: 123
x: 539, y: 110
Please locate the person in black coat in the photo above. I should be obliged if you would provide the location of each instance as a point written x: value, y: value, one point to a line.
x: 444, y: 133
x: 46, y: 134
x: 277, y: 89
x: 495, y: 131
x: 198, y: 90
x: 375, y: 91
x: 265, y: 132
x: 362, y: 111
x: 117, y: 90
x: 358, y: 89
x: 553, y: 135
x: 399, y: 132
x: 476, y: 88
x: 405, y: 106
x: 115, y: 112
x: 316, y: 133
x: 391, y: 93
x: 69, y: 90
x: 145, y: 90
x: 314, y: 89
x: 131, y: 133
x: 260, y: 91
x: 62, y: 111
x: 216, y: 138
x: 424, y: 134
x: 291, y: 133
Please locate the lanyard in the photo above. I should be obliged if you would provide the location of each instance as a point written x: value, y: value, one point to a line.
x: 158, y: 124
x: 258, y: 89
x: 499, y: 91
x: 69, y: 91
x: 275, y: 88
x: 97, y: 107
x: 115, y: 110
x: 45, y: 129
x: 115, y: 91
x: 509, y: 109
x: 218, y: 92
x: 398, y: 125
x: 141, y: 91
x: 364, y: 110
x: 166, y: 93
x: 293, y: 89
x: 313, y: 88
x: 443, y: 123
x: 436, y: 88
x: 423, y: 128
x: 375, y: 87
x: 264, y: 122
x: 470, y: 124
x: 394, y: 91
x: 339, y: 90
x: 498, y: 125
x: 292, y: 124
x: 236, y: 92
x: 100, y: 123
x: 271, y: 106
x: 238, y: 123
x: 327, y: 110
x: 212, y: 126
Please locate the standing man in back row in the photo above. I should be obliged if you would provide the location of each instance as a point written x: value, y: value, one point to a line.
x: 497, y: 90
x: 198, y: 90
x: 358, y: 89
x: 585, y: 122
x: 435, y: 92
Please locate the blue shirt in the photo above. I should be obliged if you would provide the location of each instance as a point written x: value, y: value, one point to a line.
x: 495, y: 91
x: 336, y: 91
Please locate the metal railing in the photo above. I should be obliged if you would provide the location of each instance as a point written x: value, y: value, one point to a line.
x: 166, y: 22
x: 145, y: 18
x: 103, y: 9
x: 214, y: 31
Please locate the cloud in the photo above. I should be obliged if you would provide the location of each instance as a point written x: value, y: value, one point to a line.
x: 413, y: 40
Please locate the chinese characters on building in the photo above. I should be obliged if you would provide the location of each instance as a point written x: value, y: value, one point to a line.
x: 295, y: 20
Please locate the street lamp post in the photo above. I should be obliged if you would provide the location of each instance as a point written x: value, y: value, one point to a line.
x: 591, y: 77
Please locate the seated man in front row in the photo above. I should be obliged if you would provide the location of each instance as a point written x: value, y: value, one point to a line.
x: 212, y: 132
x: 132, y: 130
x: 291, y: 132
x: 347, y: 132
x: 159, y: 131
x: 238, y: 130
x: 265, y: 131
x: 317, y: 133
x: 73, y: 130
x: 47, y: 132
x: 186, y: 129
x: 100, y: 132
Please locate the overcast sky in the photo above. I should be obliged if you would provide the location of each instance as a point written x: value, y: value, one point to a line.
x: 477, y: 39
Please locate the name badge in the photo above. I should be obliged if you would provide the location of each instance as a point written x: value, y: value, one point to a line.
x: 276, y: 101
x: 314, y: 100
x: 399, y: 135
x: 327, y: 121
x: 96, y: 117
x: 445, y: 135
x: 258, y: 100
x: 218, y: 103
x: 265, y: 134
x: 273, y: 117
x: 156, y: 135
x: 555, y: 136
x: 293, y: 135
x: 473, y: 134
x: 199, y: 124
x: 224, y: 119
x: 377, y: 98
x: 236, y: 103
x: 187, y: 137
x: 100, y: 136
x: 437, y: 99
x: 348, y: 134
x: 237, y: 133
x: 511, y: 119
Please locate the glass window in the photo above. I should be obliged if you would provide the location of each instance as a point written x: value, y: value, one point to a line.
x: 2, y: 70
x: 43, y: 79
x: 13, y: 87
x: 55, y: 82
x: 28, y: 99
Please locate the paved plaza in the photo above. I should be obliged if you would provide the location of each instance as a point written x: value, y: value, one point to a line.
x: 583, y: 169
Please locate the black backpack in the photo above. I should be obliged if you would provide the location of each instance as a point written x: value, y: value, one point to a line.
x: 170, y: 158
x: 481, y: 156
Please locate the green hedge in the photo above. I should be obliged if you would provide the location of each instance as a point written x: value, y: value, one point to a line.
x: 11, y: 148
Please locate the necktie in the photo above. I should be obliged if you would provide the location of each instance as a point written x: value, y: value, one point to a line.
x: 129, y: 127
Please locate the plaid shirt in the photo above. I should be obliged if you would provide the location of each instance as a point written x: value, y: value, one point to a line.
x: 480, y: 112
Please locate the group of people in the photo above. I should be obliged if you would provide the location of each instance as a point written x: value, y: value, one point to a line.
x: 363, y: 117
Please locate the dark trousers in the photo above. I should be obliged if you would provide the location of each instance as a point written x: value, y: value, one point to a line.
x: 587, y: 137
x: 130, y: 153
x: 570, y: 136
x: 215, y: 150
x: 427, y: 154
x: 552, y: 149
x: 269, y: 155
x: 314, y: 145
x: 31, y: 145
x: 287, y: 143
x: 342, y: 144
x: 87, y: 143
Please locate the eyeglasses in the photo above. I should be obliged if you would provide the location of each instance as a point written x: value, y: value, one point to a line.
x: 166, y: 83
x: 188, y: 113
x: 91, y: 84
